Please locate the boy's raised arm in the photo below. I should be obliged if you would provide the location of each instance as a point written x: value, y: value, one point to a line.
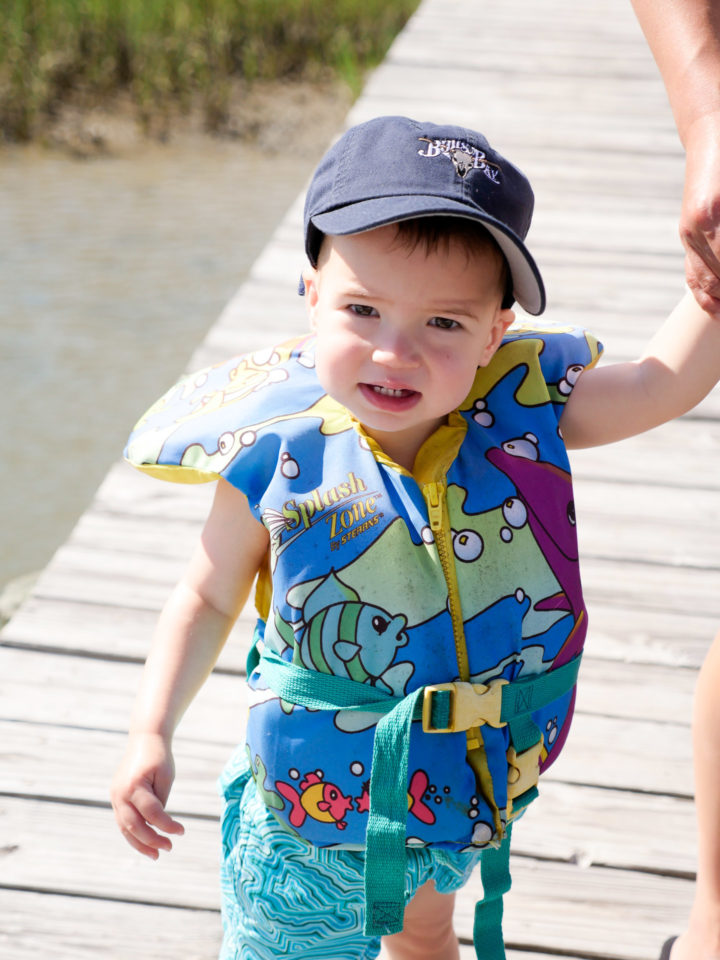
x: 189, y: 636
x: 679, y: 367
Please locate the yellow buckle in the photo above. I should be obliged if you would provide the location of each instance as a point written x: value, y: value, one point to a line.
x: 471, y: 705
x: 523, y: 769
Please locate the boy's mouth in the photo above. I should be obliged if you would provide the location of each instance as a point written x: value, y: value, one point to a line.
x: 390, y: 398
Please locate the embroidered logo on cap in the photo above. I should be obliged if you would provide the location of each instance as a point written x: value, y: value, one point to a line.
x: 464, y: 157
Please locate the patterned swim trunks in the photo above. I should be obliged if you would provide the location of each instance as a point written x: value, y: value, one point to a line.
x: 284, y: 898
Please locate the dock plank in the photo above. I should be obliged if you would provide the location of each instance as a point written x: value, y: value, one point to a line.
x: 62, y: 689
x: 75, y: 928
x: 618, y: 631
x: 601, y: 751
x: 65, y: 837
x: 214, y: 723
x: 46, y: 924
x: 187, y: 878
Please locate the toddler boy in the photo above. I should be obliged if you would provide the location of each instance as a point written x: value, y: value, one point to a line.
x: 398, y: 483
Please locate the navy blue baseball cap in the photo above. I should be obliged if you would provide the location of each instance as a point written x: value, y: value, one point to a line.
x: 392, y: 168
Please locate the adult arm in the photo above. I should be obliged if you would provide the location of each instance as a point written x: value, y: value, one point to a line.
x: 684, y: 36
x: 188, y: 638
x: 701, y: 940
x: 679, y: 367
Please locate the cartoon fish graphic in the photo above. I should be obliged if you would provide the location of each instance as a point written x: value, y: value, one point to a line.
x: 545, y: 487
x: 416, y: 803
x: 353, y: 639
x: 317, y: 799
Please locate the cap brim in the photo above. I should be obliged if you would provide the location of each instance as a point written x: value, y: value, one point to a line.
x: 528, y: 288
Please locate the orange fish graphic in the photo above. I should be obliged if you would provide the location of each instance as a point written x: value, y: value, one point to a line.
x: 319, y: 800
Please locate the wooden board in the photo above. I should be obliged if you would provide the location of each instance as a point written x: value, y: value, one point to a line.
x: 53, y: 844
x: 533, y: 917
x: 82, y: 929
x: 55, y: 688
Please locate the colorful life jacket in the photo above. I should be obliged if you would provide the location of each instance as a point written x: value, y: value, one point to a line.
x: 434, y: 590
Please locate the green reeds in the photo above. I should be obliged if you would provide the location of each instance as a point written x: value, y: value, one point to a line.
x: 169, y: 53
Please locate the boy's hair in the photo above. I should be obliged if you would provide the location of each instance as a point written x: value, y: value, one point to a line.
x: 437, y: 233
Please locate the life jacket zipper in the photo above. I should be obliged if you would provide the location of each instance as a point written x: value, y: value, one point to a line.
x: 435, y: 497
x: 439, y: 524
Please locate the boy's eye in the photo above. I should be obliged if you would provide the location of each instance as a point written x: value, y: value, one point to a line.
x: 362, y: 310
x: 444, y: 323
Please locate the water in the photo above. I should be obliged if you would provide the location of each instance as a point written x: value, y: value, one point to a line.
x: 111, y: 271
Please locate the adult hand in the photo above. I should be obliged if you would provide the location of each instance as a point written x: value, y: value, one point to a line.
x: 139, y: 793
x: 700, y: 216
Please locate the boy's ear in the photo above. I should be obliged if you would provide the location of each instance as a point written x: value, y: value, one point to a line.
x: 310, y: 281
x: 503, y: 319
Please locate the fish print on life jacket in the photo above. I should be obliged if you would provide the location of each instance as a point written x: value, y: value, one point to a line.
x: 419, y: 784
x: 321, y: 801
x: 346, y: 637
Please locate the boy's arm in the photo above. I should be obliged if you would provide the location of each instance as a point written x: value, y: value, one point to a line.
x: 679, y: 367
x: 189, y: 636
x: 701, y: 941
x: 684, y: 36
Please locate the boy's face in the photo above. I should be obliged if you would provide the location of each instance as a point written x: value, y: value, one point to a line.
x: 401, y: 332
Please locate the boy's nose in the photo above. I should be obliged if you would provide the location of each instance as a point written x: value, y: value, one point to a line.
x: 396, y: 350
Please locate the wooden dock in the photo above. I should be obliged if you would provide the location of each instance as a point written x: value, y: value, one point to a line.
x: 604, y: 862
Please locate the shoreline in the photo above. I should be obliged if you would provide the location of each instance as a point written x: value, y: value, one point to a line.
x: 165, y: 60
x: 276, y: 114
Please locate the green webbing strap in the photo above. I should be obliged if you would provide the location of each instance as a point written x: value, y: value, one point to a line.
x: 325, y: 691
x: 521, y: 697
x: 385, y: 851
x: 524, y: 733
x: 495, y: 875
x: 322, y: 691
x: 385, y: 860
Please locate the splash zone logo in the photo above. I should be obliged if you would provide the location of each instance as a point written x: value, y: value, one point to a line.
x: 348, y: 509
x: 350, y: 521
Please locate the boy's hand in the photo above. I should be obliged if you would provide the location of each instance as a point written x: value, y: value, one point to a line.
x: 139, y: 793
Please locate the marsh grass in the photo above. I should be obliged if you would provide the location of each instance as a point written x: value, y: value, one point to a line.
x: 167, y: 54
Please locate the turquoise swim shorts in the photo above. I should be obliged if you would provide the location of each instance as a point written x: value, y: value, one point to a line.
x: 285, y: 898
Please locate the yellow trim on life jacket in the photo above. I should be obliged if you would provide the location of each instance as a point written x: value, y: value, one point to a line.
x: 175, y: 473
